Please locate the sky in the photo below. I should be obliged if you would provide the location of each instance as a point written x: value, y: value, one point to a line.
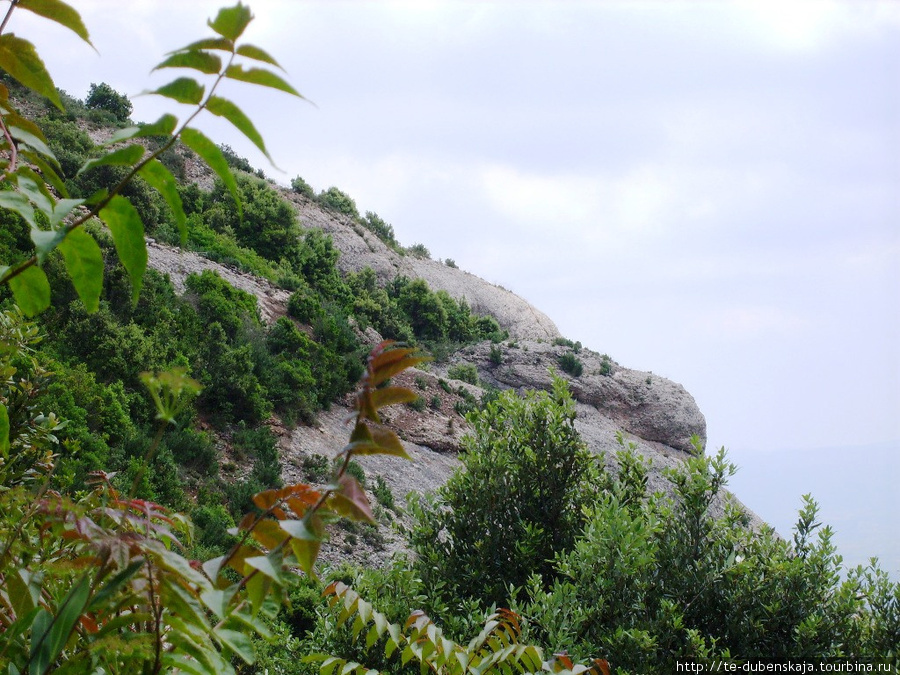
x: 706, y: 190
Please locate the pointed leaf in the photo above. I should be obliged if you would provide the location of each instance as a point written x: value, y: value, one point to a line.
x: 69, y: 610
x: 62, y: 209
x: 128, y: 235
x: 253, y: 52
x: 45, y: 241
x: 127, y: 156
x: 48, y: 172
x: 391, y: 395
x: 31, y: 290
x: 19, y: 58
x: 206, y: 63
x: 33, y: 186
x: 4, y: 431
x: 16, y: 201
x: 183, y: 90
x: 265, y: 565
x: 306, y: 552
x: 112, y: 586
x: 58, y: 11
x: 225, y: 108
x: 208, y: 43
x: 211, y: 154
x: 162, y: 180
x: 84, y: 263
x: 33, y: 140
x: 351, y: 501
x: 237, y: 642
x: 164, y: 126
x: 265, y: 78
x: 230, y: 22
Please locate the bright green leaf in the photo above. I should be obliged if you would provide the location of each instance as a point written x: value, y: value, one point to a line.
x: 31, y: 290
x: 225, y: 108
x: 207, y: 63
x: 127, y: 156
x: 164, y: 126
x: 208, y: 43
x: 32, y: 186
x: 265, y: 78
x: 183, y: 90
x: 4, y: 431
x: 16, y: 201
x: 162, y: 180
x: 58, y: 11
x: 48, y: 171
x: 70, y: 610
x: 33, y: 140
x: 237, y: 642
x: 19, y: 58
x: 45, y: 241
x: 230, y: 22
x: 84, y: 263
x: 62, y: 209
x: 252, y: 52
x: 128, y: 235
x: 211, y: 154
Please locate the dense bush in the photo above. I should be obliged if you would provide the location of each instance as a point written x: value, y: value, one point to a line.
x: 104, y: 97
x: 339, y: 201
x: 517, y: 503
x: 571, y: 364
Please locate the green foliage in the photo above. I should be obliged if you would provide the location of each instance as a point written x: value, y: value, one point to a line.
x: 381, y: 229
x: 301, y: 187
x: 419, y: 251
x: 104, y: 97
x: 496, y: 355
x: 571, y: 364
x: 605, y: 365
x: 466, y: 372
x: 383, y: 493
x: 517, y: 502
x: 334, y: 199
x: 565, y: 342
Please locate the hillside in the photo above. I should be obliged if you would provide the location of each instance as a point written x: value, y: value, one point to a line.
x: 658, y: 416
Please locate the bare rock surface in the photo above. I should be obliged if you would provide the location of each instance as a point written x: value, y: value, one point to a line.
x: 360, y: 248
x: 179, y: 264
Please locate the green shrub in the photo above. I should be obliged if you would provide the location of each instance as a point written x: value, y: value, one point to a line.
x: 496, y: 355
x: 465, y: 372
x: 571, y: 364
x: 339, y: 201
x: 516, y: 503
x: 301, y: 187
x: 103, y: 97
x: 383, y: 493
x: 419, y: 251
x: 418, y: 404
x: 605, y: 365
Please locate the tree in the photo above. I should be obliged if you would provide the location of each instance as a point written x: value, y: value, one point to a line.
x: 103, y: 97
x: 516, y: 503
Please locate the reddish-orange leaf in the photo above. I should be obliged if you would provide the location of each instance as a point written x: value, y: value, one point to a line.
x: 351, y: 501
x: 392, y: 395
x: 602, y: 665
x: 247, y: 522
x: 266, y: 499
x: 268, y: 533
x: 388, y: 370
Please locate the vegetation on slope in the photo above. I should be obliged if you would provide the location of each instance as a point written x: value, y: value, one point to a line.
x: 102, y: 569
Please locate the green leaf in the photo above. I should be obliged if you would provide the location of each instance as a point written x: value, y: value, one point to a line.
x: 206, y: 63
x: 70, y: 610
x: 33, y: 187
x: 237, y: 642
x: 33, y: 140
x: 265, y: 78
x: 211, y: 154
x: 128, y: 236
x: 19, y: 58
x: 127, y: 156
x: 4, y: 431
x: 183, y: 90
x: 208, y: 43
x: 45, y: 241
x: 162, y: 180
x: 164, y: 126
x: 225, y: 108
x: 16, y: 201
x: 252, y: 52
x: 112, y: 586
x: 351, y: 501
x: 31, y: 290
x: 62, y: 209
x: 58, y: 11
x: 84, y: 263
x: 47, y: 171
x: 230, y: 22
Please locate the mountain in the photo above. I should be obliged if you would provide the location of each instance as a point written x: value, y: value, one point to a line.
x: 658, y: 416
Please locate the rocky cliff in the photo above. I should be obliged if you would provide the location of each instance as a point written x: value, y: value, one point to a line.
x: 659, y: 416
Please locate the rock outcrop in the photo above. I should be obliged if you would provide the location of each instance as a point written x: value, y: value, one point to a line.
x: 656, y: 415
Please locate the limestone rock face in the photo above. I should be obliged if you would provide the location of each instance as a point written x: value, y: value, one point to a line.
x: 655, y: 414
x: 360, y: 248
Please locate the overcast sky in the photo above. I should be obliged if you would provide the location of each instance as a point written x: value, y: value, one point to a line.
x: 706, y: 190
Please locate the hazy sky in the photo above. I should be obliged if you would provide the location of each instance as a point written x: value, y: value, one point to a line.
x: 707, y: 190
